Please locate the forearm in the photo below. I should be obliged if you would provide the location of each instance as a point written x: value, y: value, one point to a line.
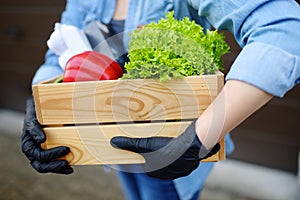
x: 237, y: 101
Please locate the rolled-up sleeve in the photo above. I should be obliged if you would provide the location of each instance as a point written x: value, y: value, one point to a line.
x: 268, y: 33
x: 266, y: 67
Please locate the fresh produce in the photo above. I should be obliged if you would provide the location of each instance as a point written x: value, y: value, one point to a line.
x: 59, y: 79
x: 91, y: 66
x: 174, y: 48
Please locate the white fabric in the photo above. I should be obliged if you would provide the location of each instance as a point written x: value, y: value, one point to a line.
x: 67, y: 41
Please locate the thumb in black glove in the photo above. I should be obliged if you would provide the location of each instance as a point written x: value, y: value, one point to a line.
x: 41, y: 160
x: 166, y: 157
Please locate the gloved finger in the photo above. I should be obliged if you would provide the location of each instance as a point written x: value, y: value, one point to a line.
x: 51, y: 154
x: 57, y: 166
x: 36, y: 131
x: 64, y: 170
x: 140, y: 145
x: 31, y: 125
x: 33, y: 150
x: 125, y: 143
x: 29, y: 146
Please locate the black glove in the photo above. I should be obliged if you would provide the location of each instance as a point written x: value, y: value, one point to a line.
x: 166, y: 157
x: 41, y: 160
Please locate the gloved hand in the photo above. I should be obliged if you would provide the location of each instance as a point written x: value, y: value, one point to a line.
x: 166, y: 157
x: 41, y: 160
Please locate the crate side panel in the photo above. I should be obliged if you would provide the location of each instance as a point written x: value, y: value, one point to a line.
x: 220, y: 81
x: 54, y: 102
x: 36, y: 97
x: 90, y: 144
x: 126, y: 100
x: 222, y: 153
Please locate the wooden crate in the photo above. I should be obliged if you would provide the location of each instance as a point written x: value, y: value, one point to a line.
x: 86, y: 115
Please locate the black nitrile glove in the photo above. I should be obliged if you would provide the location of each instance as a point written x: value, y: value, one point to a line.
x: 166, y: 157
x: 41, y: 160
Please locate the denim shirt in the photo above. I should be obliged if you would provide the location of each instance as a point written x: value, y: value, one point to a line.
x: 268, y: 32
x: 80, y: 13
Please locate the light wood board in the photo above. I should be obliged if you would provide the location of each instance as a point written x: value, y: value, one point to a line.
x: 71, y: 113
x: 125, y: 100
x: 90, y: 145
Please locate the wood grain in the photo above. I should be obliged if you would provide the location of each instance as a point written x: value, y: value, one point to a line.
x: 125, y: 100
x: 90, y: 144
x: 71, y: 113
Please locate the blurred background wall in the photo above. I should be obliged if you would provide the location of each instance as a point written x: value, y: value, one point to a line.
x: 24, y: 29
x: 270, y: 137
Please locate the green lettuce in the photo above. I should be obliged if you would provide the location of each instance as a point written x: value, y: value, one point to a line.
x: 174, y: 48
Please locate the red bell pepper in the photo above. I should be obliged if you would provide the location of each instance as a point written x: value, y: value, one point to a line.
x: 91, y: 66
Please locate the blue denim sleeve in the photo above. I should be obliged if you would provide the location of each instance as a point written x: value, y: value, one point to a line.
x: 152, y: 12
x: 270, y: 60
x: 72, y: 15
x: 183, y: 9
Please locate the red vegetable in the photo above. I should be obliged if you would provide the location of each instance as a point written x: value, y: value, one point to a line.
x: 91, y: 66
x: 111, y: 62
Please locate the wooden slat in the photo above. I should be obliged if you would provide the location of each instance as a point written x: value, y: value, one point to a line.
x: 125, y: 100
x: 90, y: 144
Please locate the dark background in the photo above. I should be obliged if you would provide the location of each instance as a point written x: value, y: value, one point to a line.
x: 270, y: 137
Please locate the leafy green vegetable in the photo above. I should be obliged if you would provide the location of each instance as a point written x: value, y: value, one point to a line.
x: 174, y: 48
